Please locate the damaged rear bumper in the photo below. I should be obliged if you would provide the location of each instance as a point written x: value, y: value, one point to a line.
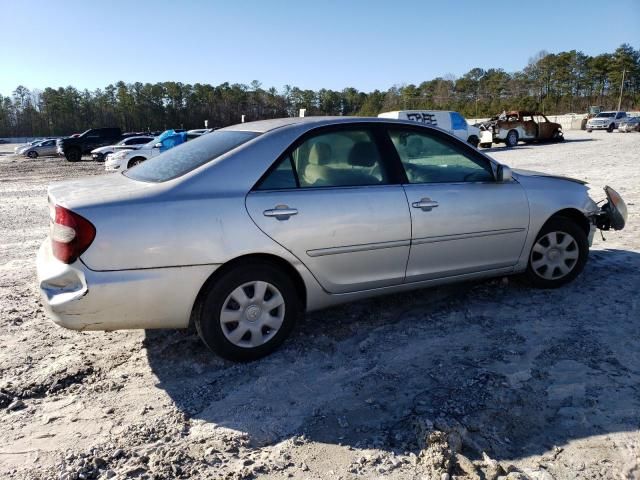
x: 79, y: 298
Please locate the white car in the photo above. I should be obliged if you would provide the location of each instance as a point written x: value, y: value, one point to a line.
x: 100, y: 154
x: 123, y: 159
x: 451, y: 122
x: 608, y: 121
x: 199, y: 131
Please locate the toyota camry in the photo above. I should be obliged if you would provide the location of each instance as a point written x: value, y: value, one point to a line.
x: 241, y: 231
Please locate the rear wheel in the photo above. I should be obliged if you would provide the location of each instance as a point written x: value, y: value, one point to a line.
x: 248, y: 312
x: 32, y: 154
x: 558, y: 254
x: 512, y: 138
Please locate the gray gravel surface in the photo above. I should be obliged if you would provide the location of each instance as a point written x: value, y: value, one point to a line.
x: 482, y: 380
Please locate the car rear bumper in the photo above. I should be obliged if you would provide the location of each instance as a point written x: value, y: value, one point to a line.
x: 78, y: 298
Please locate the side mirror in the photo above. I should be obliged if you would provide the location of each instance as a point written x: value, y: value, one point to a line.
x: 504, y: 173
x: 158, y: 145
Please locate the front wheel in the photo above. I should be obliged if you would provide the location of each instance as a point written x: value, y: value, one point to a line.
x: 611, y: 127
x: 248, y: 312
x: 473, y: 140
x: 512, y: 138
x: 135, y: 161
x: 558, y: 254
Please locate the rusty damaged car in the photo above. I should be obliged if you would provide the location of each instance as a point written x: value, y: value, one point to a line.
x: 519, y: 126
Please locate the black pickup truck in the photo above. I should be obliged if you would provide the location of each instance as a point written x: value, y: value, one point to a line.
x: 72, y: 148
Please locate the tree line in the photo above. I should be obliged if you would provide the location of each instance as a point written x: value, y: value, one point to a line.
x: 552, y: 83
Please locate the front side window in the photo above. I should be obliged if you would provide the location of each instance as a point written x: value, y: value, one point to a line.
x: 427, y: 159
x: 344, y: 158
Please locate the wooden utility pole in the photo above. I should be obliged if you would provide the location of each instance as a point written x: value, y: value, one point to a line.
x: 624, y: 70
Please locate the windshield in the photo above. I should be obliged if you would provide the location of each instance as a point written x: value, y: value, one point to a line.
x: 606, y: 115
x: 179, y: 160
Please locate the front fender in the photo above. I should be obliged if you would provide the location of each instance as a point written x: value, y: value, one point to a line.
x: 547, y: 196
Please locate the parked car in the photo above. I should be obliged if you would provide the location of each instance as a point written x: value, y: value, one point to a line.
x: 43, y: 148
x: 515, y: 126
x: 20, y: 148
x: 199, y: 131
x: 124, y: 159
x: 631, y: 124
x: 608, y: 121
x: 100, y: 154
x: 72, y: 148
x: 240, y: 231
x: 451, y: 122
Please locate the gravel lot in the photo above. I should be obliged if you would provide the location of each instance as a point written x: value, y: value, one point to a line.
x: 478, y: 381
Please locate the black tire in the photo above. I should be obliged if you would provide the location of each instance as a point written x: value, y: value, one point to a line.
x: 207, y: 318
x: 473, y: 140
x: 589, y: 130
x: 32, y: 154
x: 563, y: 226
x: 73, y: 155
x: 611, y: 127
x: 512, y: 138
x: 135, y: 161
x: 556, y: 137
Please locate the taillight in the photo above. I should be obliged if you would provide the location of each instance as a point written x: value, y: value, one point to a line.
x: 71, y: 234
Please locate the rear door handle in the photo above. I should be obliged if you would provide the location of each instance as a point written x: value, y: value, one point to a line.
x: 426, y: 204
x: 281, y: 212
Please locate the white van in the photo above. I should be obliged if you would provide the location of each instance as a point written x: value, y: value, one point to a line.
x: 452, y: 122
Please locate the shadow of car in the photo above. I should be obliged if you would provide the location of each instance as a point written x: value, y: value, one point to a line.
x: 517, y: 371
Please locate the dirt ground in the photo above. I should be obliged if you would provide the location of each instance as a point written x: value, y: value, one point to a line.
x: 483, y: 380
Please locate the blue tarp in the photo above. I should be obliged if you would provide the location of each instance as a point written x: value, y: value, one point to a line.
x: 170, y: 139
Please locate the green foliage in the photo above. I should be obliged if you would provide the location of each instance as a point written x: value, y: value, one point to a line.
x: 553, y: 83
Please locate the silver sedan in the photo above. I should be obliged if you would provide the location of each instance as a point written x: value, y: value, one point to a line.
x: 241, y: 231
x: 44, y: 148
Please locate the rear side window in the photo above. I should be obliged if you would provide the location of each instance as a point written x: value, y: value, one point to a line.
x: 177, y: 161
x: 137, y: 141
x: 343, y: 158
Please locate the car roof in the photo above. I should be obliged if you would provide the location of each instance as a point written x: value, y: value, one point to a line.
x: 263, y: 126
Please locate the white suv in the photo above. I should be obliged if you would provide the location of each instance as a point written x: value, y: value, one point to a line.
x: 452, y: 122
x: 606, y: 121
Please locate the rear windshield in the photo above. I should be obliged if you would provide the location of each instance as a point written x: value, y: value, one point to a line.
x: 179, y: 160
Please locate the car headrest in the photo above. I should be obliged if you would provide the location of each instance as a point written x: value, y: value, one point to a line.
x: 320, y: 154
x: 363, y: 154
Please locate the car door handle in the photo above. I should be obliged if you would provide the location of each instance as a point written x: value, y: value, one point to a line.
x: 426, y: 204
x: 281, y: 212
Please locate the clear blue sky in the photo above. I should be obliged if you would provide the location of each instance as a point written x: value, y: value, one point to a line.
x: 333, y: 44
